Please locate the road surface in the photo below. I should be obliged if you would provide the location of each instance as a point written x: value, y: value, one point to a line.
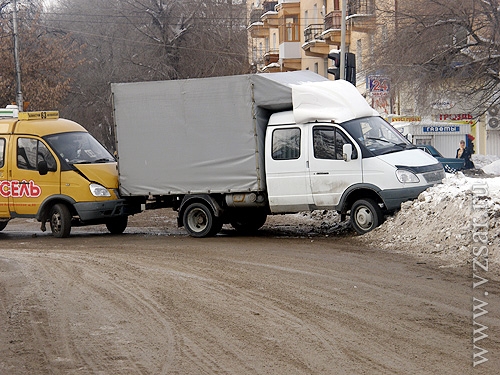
x: 148, y: 302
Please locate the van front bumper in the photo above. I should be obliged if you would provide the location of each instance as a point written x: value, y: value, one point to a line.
x: 95, y: 211
x: 394, y: 197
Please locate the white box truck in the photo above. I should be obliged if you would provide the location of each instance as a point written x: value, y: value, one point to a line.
x: 236, y: 149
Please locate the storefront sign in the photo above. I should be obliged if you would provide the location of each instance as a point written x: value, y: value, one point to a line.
x: 406, y: 118
x: 455, y: 117
x: 441, y: 129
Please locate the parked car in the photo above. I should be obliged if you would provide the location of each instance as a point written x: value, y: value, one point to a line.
x: 450, y: 165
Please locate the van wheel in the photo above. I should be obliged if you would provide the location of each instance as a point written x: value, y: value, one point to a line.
x: 60, y: 220
x: 200, y: 221
x: 248, y: 222
x: 366, y: 215
x: 117, y: 225
x: 3, y: 224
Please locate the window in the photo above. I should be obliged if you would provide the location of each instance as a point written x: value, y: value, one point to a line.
x: 79, y: 147
x: 2, y: 152
x: 328, y: 143
x: 30, y: 152
x: 292, y: 29
x: 286, y: 144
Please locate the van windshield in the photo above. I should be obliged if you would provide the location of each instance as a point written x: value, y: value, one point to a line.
x: 78, y: 148
x: 376, y: 135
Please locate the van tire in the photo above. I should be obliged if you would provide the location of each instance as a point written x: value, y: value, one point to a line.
x: 117, y: 225
x: 3, y: 224
x: 60, y: 220
x: 366, y: 215
x: 199, y: 221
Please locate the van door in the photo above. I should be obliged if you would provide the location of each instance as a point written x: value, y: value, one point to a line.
x: 28, y: 189
x: 329, y: 174
x: 287, y: 176
x: 4, y: 197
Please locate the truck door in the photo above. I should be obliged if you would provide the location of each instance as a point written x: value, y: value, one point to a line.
x: 330, y: 175
x: 4, y: 198
x: 28, y: 188
x: 287, y: 177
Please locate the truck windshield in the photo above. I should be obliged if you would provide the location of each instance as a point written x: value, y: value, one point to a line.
x: 376, y: 135
x: 78, y: 148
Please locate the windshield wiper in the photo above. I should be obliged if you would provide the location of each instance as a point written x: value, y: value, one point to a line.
x: 103, y: 160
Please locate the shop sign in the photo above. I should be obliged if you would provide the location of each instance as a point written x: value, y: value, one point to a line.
x: 441, y: 129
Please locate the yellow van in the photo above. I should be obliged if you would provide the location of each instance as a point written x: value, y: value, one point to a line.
x: 53, y: 170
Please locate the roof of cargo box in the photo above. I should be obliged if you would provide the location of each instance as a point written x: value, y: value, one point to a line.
x: 274, y: 90
x: 311, y: 96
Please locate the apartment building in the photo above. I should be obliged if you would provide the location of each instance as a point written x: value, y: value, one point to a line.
x: 287, y: 35
x: 290, y: 35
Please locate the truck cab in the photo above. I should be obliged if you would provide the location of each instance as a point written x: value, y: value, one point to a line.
x: 53, y: 170
x: 362, y: 166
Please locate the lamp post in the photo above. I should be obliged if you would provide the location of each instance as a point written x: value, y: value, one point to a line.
x: 19, y: 94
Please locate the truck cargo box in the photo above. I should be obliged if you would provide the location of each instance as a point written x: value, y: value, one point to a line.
x: 198, y: 135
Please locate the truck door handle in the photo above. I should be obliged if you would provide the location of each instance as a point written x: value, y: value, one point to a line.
x: 317, y: 173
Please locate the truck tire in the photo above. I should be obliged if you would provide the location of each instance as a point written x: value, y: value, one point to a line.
x: 60, y: 220
x: 3, y: 224
x: 117, y: 225
x: 366, y: 215
x: 200, y: 221
x: 248, y: 222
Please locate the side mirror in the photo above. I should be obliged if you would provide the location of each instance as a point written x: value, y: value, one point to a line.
x: 347, y: 151
x: 409, y: 137
x: 43, y: 168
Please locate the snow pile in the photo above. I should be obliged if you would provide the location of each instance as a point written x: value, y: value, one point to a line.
x: 449, y: 219
x: 483, y: 160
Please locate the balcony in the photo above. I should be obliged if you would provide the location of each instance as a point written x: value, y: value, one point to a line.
x: 314, y: 44
x: 271, y: 56
x: 269, y: 6
x: 361, y: 15
x: 333, y: 23
x: 258, y: 30
x: 320, y: 37
x: 262, y: 19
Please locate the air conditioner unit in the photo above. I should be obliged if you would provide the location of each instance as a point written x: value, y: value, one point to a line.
x: 493, y: 118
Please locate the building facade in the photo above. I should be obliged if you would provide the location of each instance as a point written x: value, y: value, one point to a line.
x: 286, y: 35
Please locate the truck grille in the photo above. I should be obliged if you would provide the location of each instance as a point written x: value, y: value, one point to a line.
x: 434, y: 176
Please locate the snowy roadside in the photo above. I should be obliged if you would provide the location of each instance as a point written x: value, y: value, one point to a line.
x: 448, y: 220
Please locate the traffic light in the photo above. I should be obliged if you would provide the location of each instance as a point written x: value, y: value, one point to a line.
x: 335, y: 69
x: 349, y: 69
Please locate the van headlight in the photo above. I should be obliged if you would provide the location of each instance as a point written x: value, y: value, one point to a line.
x: 99, y: 190
x: 406, y: 177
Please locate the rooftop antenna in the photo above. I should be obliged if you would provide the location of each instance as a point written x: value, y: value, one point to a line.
x: 19, y: 94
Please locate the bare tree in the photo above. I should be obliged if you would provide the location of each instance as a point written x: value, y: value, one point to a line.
x: 142, y: 40
x: 45, y: 58
x: 441, y: 45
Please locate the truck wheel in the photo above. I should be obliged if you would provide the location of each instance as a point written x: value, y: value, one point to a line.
x: 365, y: 215
x: 248, y: 222
x: 60, y: 220
x: 3, y: 224
x: 117, y: 225
x: 200, y: 221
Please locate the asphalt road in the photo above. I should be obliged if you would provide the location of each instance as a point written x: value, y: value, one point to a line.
x: 148, y: 302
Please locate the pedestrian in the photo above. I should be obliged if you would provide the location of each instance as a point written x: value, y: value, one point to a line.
x: 464, y: 153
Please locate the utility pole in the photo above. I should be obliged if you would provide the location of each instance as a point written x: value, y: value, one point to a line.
x: 19, y: 93
x: 342, y: 39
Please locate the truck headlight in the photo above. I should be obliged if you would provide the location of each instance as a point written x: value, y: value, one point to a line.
x: 99, y: 190
x: 406, y: 177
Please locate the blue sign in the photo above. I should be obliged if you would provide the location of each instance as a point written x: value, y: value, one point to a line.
x: 441, y: 129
